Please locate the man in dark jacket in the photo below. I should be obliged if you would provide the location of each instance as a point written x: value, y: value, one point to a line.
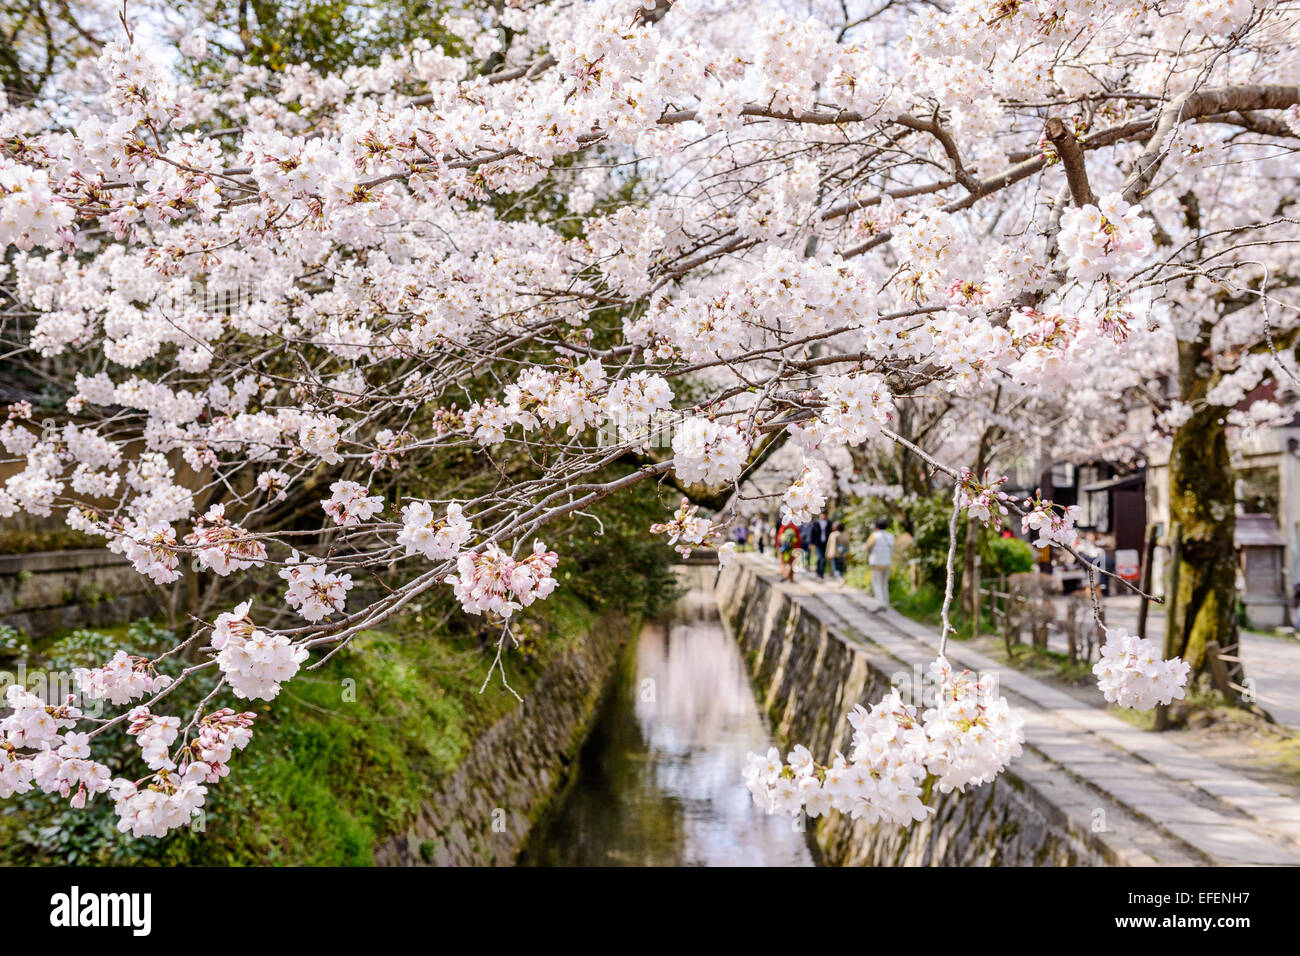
x: 819, y: 533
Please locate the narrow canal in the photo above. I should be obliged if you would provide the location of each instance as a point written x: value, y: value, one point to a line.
x: 659, y: 780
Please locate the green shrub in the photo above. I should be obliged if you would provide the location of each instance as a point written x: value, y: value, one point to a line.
x: 13, y: 643
x: 1007, y: 555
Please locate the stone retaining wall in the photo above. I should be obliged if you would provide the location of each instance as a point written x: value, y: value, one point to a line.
x: 49, y: 591
x: 483, y: 813
x: 808, y: 677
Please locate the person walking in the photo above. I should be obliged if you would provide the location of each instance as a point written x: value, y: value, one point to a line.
x: 805, y: 542
x: 837, y: 547
x: 880, y: 558
x: 759, y: 533
x: 819, y: 536
x: 788, y: 542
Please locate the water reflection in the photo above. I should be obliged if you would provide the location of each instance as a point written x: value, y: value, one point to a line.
x: 659, y: 780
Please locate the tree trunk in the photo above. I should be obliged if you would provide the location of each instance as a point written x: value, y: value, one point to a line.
x: 969, y: 578
x: 1202, y: 500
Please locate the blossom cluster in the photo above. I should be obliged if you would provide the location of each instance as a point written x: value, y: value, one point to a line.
x: 351, y: 503
x: 972, y: 735
x: 168, y: 801
x: 254, y: 662
x: 154, y: 735
x: 174, y: 794
x: 390, y: 448
x: 121, y: 680
x: 634, y: 402
x: 806, y: 496
x: 423, y: 532
x: 983, y: 500
x: 219, y: 735
x: 491, y: 581
x: 857, y: 406
x: 314, y: 592
x: 1098, y: 240
x: 30, y: 211
x: 62, y: 761
x: 967, y: 738
x: 708, y: 451
x: 152, y: 550
x: 69, y: 771
x: 1052, y: 524
x: 1133, y: 672
x: 688, y: 530
x: 542, y: 398
x: 223, y: 547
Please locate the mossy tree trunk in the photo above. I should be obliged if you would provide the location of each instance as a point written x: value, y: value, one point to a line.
x: 1202, y: 503
x: 913, y: 477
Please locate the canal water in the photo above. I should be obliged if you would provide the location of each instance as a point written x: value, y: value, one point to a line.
x: 659, y: 779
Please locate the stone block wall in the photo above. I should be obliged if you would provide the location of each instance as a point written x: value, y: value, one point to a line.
x: 808, y: 677
x: 482, y: 814
x: 49, y: 591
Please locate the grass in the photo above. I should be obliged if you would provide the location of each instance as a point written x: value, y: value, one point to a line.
x: 1284, y: 755
x: 340, y: 760
x: 1141, y: 719
x: 923, y: 605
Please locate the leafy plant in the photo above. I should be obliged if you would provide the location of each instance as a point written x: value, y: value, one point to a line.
x: 1006, y: 555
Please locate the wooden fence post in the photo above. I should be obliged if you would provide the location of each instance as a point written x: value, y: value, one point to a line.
x: 1218, y: 671
x: 1006, y: 613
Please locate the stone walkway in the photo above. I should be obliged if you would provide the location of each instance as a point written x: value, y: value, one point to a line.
x: 1197, y: 811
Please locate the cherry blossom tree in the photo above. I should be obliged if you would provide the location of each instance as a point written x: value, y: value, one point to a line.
x: 591, y: 246
x: 41, y: 38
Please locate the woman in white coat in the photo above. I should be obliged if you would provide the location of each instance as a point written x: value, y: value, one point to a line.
x: 880, y: 559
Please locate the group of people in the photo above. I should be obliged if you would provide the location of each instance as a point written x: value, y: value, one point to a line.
x: 820, y: 541
x: 823, y: 545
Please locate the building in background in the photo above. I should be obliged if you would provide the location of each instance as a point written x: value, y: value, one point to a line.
x: 1112, y: 501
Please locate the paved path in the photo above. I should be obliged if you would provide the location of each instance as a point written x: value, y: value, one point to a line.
x: 1196, y: 810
